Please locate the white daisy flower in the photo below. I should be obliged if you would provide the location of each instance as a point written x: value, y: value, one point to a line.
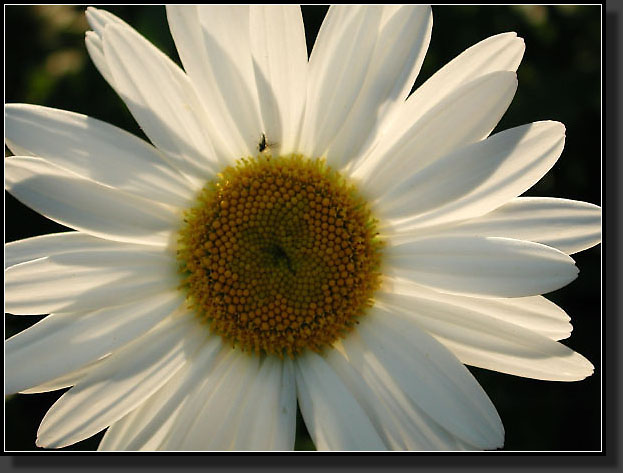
x: 297, y: 232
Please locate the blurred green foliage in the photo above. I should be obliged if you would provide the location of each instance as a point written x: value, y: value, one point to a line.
x: 559, y: 79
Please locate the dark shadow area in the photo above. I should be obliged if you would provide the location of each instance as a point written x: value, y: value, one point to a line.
x: 612, y: 224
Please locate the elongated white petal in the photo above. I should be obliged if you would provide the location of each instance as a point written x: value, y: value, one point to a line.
x: 214, y: 45
x: 66, y: 380
x: 466, y: 116
x: 482, y: 266
x: 568, y: 225
x: 85, y: 205
x: 483, y: 341
x: 33, y: 248
x: 95, y: 48
x: 162, y: 100
x: 196, y: 398
x: 502, y: 52
x: 280, y: 64
x: 69, y: 282
x: 334, y: 418
x: 400, y: 422
x: 430, y: 376
x: 145, y: 427
x: 124, y: 381
x: 95, y: 150
x: 167, y: 131
x: 62, y: 343
x: 210, y: 419
x: 396, y: 60
x: 98, y: 20
x: 534, y: 313
x: 337, y: 69
x: 477, y: 178
x: 268, y: 417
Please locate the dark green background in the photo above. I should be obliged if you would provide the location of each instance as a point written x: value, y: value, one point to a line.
x: 559, y: 79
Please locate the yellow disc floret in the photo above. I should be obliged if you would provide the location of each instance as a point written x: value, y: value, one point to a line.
x: 279, y: 254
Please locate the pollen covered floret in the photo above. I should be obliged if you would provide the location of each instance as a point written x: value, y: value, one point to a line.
x: 279, y: 254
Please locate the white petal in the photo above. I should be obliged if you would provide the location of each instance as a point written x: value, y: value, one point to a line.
x: 95, y: 48
x: 196, y: 397
x: 401, y: 423
x: 337, y: 69
x: 99, y: 19
x: 162, y: 100
x: 62, y: 343
x: 214, y: 46
x: 334, y: 418
x: 466, y: 116
x: 85, y: 205
x: 482, y: 266
x: 146, y: 426
x: 69, y: 282
x: 568, y: 225
x: 128, y: 377
x: 502, y: 52
x: 96, y: 150
x: 267, y: 420
x: 483, y: 341
x: 33, y: 248
x: 534, y: 313
x: 477, y: 178
x: 280, y: 64
x: 398, y: 55
x: 431, y: 377
x: 212, y: 414
x: 64, y: 381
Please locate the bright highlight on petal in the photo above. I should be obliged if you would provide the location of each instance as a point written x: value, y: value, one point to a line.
x: 299, y: 232
x: 482, y: 266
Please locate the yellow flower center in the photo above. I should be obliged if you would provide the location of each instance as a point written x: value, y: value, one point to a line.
x: 279, y: 254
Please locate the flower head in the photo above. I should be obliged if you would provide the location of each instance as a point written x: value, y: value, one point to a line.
x: 297, y: 232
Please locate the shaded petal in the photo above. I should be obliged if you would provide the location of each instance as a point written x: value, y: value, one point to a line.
x: 209, y: 419
x: 475, y: 179
x: 69, y: 282
x: 66, y: 380
x: 430, y: 376
x: 29, y: 249
x: 268, y: 417
x: 214, y: 46
x: 482, y: 266
x: 145, y: 427
x: 401, y: 423
x: 466, y: 116
x: 487, y: 342
x: 568, y: 225
x: 334, y: 418
x: 280, y: 64
x: 398, y: 55
x: 337, y: 69
x: 85, y: 205
x: 95, y: 150
x: 62, y: 343
x: 124, y: 381
x: 534, y: 313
